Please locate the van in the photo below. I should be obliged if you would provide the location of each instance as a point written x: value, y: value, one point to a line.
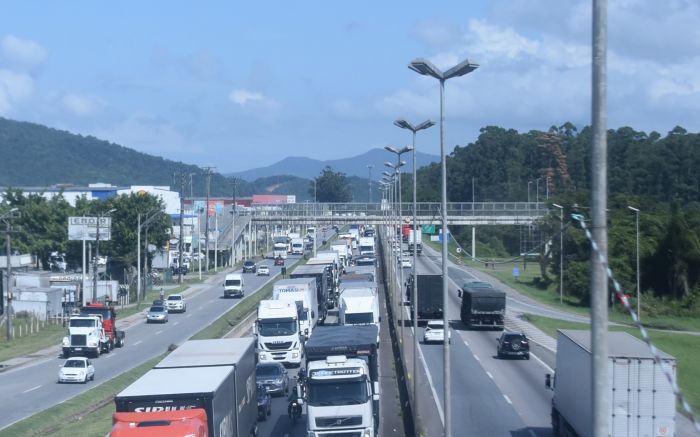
x: 234, y: 285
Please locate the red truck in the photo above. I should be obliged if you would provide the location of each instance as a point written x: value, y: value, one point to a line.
x: 109, y: 322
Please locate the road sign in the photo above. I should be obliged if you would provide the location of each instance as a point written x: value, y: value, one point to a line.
x: 440, y: 236
x: 80, y: 228
x: 516, y: 272
x: 428, y: 229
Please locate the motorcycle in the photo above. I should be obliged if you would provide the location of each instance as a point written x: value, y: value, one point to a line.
x: 294, y: 411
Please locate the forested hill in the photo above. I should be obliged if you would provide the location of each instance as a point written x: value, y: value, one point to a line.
x: 503, y: 161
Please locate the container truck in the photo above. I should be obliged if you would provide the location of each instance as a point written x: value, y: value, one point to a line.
x: 482, y: 307
x: 300, y: 290
x: 343, y: 252
x: 429, y: 297
x: 204, y: 388
x: 641, y: 399
x: 416, y: 239
x: 323, y: 277
x: 277, y: 330
x: 342, y: 381
x: 366, y: 246
x: 359, y: 306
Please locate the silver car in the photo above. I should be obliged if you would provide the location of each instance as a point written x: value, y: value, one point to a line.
x: 157, y: 314
x: 272, y: 376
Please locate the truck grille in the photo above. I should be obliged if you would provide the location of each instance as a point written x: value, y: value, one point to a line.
x: 341, y: 434
x: 78, y: 340
x: 278, y: 346
x: 338, y: 421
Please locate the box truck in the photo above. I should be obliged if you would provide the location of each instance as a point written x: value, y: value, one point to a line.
x: 482, y: 307
x: 299, y: 290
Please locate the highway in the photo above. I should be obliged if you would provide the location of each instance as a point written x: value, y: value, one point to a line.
x: 32, y: 388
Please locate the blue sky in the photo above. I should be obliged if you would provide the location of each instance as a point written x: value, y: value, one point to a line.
x: 241, y: 84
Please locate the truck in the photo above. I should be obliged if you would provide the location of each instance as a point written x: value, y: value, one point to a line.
x: 429, y: 297
x: 280, y: 247
x: 234, y: 285
x: 323, y: 276
x: 343, y: 252
x: 277, y: 330
x: 299, y: 290
x: 641, y: 403
x: 366, y: 246
x: 108, y: 314
x: 297, y: 246
x: 359, y: 306
x: 417, y: 240
x: 203, y: 388
x: 86, y: 336
x: 482, y: 307
x: 333, y: 274
x: 342, y: 381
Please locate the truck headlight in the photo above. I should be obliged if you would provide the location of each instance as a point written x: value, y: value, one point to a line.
x: 367, y: 432
x: 295, y: 354
x: 262, y: 355
x: 92, y: 343
x: 66, y: 342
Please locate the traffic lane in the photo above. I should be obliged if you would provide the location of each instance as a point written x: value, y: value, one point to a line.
x: 477, y: 403
x: 529, y: 398
x: 144, y: 341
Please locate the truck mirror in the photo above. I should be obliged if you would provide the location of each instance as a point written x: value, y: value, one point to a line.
x: 376, y: 390
x: 548, y: 380
x: 459, y: 292
x: 313, y: 315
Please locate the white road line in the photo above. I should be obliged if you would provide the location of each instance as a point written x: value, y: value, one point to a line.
x: 477, y: 358
x: 542, y: 362
x: 507, y: 399
x: 108, y: 356
x: 466, y: 343
x: 200, y: 308
x: 432, y: 386
x: 159, y: 332
x: 489, y: 373
x: 176, y: 323
x: 532, y: 433
x: 138, y: 342
x: 188, y: 316
x: 31, y: 389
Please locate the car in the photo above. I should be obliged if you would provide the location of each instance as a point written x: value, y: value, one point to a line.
x: 435, y: 332
x: 249, y: 267
x: 406, y: 262
x: 264, y: 403
x: 513, y: 344
x: 279, y: 261
x: 159, y: 303
x: 272, y: 376
x: 157, y: 314
x: 263, y: 270
x: 76, y: 369
x: 176, y: 302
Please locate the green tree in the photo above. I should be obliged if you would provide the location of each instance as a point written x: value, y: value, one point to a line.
x: 331, y: 186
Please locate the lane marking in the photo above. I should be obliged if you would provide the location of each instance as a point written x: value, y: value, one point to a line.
x: 476, y: 356
x: 138, y: 342
x: 176, y: 323
x: 108, y: 356
x: 188, y: 316
x: 507, y: 399
x: 489, y: 374
x: 31, y: 389
x: 532, y: 433
x: 432, y: 386
x: 159, y: 332
x: 546, y: 366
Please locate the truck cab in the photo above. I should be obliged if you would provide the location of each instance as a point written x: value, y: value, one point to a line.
x: 234, y: 285
x: 277, y: 329
x: 85, y: 337
x: 340, y: 397
x: 279, y: 249
x: 359, y: 306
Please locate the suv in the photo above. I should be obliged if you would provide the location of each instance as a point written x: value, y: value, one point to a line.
x: 511, y: 344
x: 249, y: 267
x: 176, y: 302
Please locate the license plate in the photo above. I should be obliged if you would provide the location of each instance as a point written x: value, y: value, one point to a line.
x: 78, y: 348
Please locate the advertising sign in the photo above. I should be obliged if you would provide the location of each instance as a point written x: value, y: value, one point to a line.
x: 87, y: 228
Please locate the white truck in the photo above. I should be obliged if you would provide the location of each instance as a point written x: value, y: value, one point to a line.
x: 277, y: 330
x: 86, y: 336
x: 641, y: 399
x: 297, y: 246
x: 234, y: 285
x: 300, y: 290
x: 367, y: 246
x: 343, y: 252
x: 280, y: 247
x: 359, y: 306
x: 342, y: 388
x: 416, y: 239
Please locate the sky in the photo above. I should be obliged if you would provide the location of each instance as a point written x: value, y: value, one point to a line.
x: 242, y: 84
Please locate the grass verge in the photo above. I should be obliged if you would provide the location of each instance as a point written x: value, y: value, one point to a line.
x: 685, y: 348
x: 66, y: 418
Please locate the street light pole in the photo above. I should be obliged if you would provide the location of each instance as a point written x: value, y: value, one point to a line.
x: 639, y: 291
x: 426, y: 68
x: 561, y: 252
x: 11, y: 214
x: 370, y: 167
x: 100, y: 216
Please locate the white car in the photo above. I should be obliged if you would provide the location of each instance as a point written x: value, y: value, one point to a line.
x: 263, y: 270
x: 435, y: 332
x: 176, y: 303
x: 76, y: 369
x: 406, y: 262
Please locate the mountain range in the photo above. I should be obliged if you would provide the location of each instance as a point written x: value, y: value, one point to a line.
x: 354, y: 166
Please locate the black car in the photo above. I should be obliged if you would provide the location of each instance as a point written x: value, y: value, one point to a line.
x: 249, y: 267
x: 513, y: 344
x: 264, y: 403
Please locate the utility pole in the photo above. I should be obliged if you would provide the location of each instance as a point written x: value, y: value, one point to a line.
x: 233, y: 223
x: 370, y: 167
x: 181, y: 237
x: 207, y: 172
x: 97, y: 255
x: 12, y: 214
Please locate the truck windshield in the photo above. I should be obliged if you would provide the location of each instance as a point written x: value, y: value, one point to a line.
x: 233, y: 282
x: 82, y: 323
x: 358, y: 318
x: 337, y: 392
x: 270, y: 328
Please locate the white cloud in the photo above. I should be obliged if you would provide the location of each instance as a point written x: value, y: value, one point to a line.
x: 493, y: 41
x: 14, y: 88
x: 242, y: 97
x: 22, y: 51
x: 82, y: 105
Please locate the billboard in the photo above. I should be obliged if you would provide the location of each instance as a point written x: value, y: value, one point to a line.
x: 80, y: 228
